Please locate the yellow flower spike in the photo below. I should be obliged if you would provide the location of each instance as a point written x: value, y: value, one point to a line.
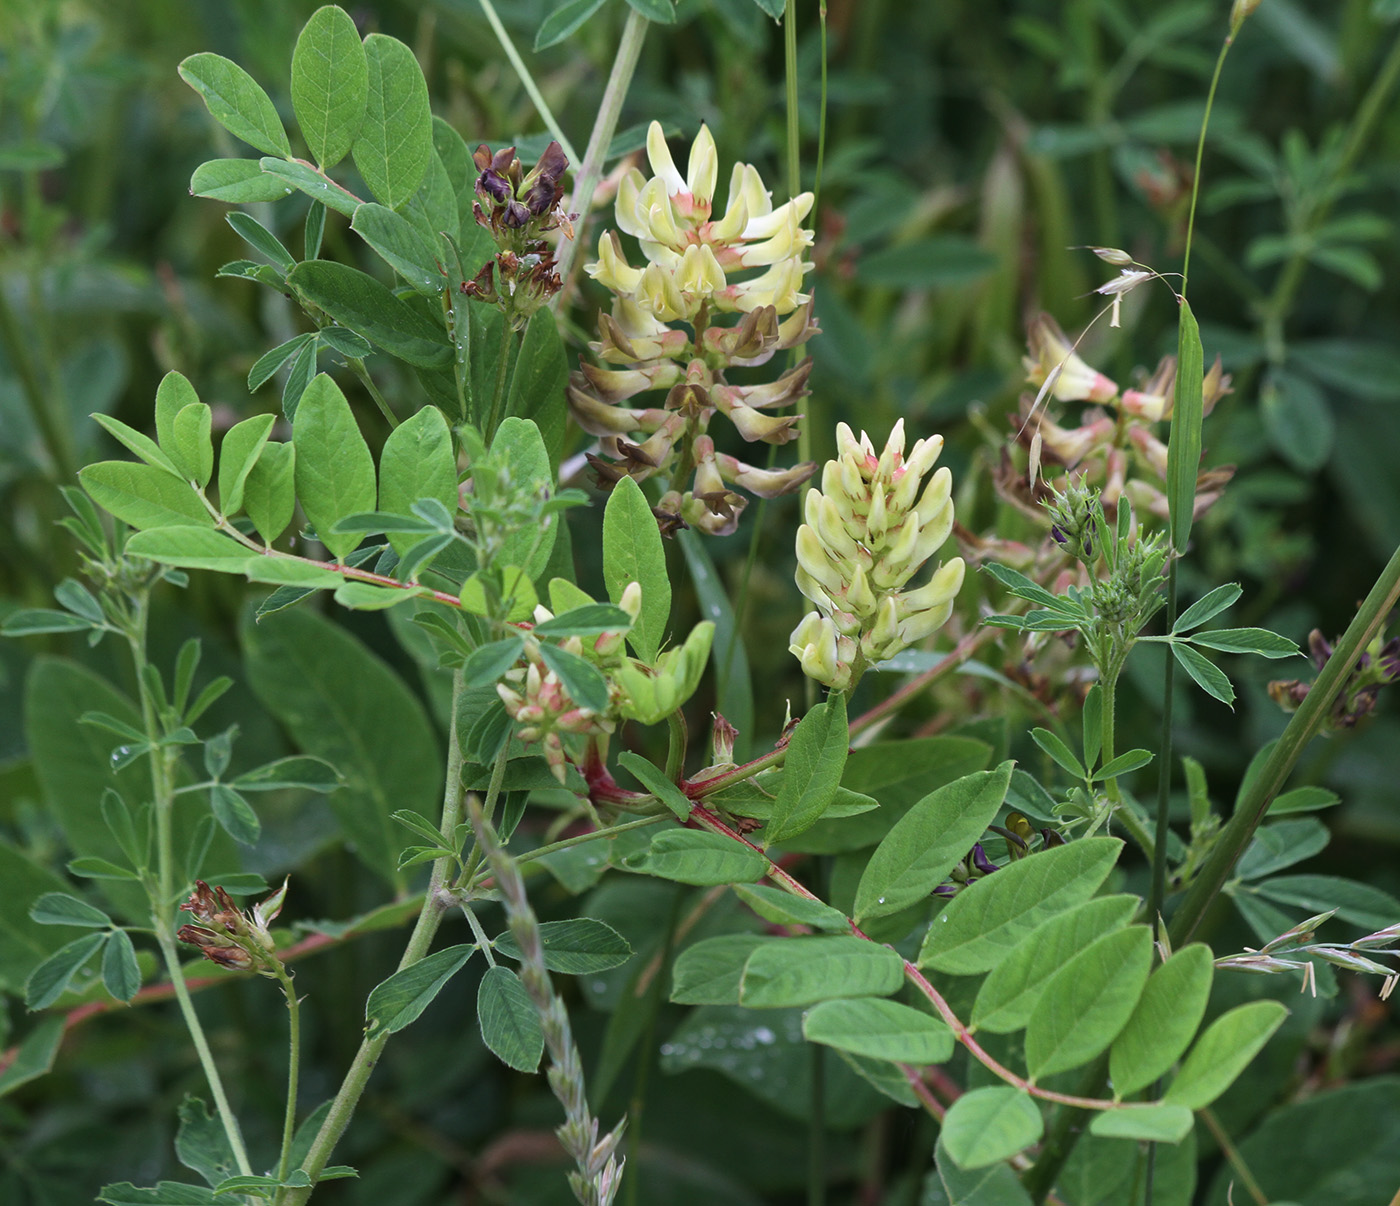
x: 898, y: 561
x: 824, y: 516
x: 779, y: 287
x: 812, y: 557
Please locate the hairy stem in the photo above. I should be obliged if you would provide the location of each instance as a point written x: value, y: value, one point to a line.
x: 289, y: 1119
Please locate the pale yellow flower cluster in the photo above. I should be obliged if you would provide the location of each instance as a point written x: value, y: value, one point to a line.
x: 748, y: 262
x: 869, y: 529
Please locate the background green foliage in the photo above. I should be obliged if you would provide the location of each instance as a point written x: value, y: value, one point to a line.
x: 970, y: 147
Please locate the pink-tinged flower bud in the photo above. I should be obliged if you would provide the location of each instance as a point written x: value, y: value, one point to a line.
x: 1052, y: 355
x: 765, y: 483
x: 722, y: 738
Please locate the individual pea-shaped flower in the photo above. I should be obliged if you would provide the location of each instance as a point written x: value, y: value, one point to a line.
x: 870, y: 528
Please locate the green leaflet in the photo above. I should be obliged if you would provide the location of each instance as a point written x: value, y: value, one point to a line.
x: 577, y: 947
x: 34, y: 1056
x: 632, y: 552
x: 1088, y: 1001
x: 295, y: 175
x: 395, y: 138
x: 417, y: 462
x: 334, y: 469
x: 986, y: 1126
x: 134, y: 441
x: 143, y: 496
x: 51, y: 978
x: 24, y: 942
x: 121, y: 975
x: 510, y: 1027
x: 238, y: 453
x: 191, y: 548
x: 880, y: 1029
x: 269, y: 490
x: 987, y: 920
x: 1223, y: 1052
x: 691, y: 856
x: 401, y: 998
x: 237, y: 102
x: 804, y: 971
x: 1012, y: 988
x: 401, y: 246
x: 236, y: 182
x: 193, y: 449
x: 995, y: 1185
x: 1154, y: 1123
x: 330, y: 83
x: 1164, y: 1021
x: 927, y: 842
x: 784, y: 908
x: 370, y: 309
x: 710, y: 971
x: 341, y: 703
x: 518, y: 444
x: 812, y: 770
x: 172, y: 396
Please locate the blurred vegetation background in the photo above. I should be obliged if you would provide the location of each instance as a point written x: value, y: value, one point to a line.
x: 971, y: 150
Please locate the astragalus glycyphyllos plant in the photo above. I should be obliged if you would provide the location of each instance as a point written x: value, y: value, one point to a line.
x: 959, y: 920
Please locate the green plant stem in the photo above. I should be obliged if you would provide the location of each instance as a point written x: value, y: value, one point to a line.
x: 289, y: 1119
x: 1302, y: 727
x: 163, y: 892
x: 430, y: 916
x: 1157, y: 893
x: 481, y: 939
x: 358, y: 368
x: 1200, y: 156
x: 527, y: 80
x: 794, y: 148
x: 821, y: 126
x: 629, y: 47
x: 675, y: 751
x: 499, y: 393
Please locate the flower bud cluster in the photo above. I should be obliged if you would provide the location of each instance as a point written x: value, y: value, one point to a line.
x: 519, y: 210
x: 869, y: 529
x: 228, y: 936
x: 1378, y: 666
x: 1114, y: 446
x: 696, y: 271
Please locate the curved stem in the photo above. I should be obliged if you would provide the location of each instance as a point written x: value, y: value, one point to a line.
x: 289, y: 1119
x: 629, y: 47
x: 527, y: 81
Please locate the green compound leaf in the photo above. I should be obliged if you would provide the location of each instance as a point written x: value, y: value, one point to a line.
x: 989, y: 919
x: 1087, y: 1002
x: 370, y: 309
x: 804, y: 971
x: 690, y: 856
x: 1012, y: 988
x: 632, y: 552
x: 237, y: 102
x: 880, y: 1029
x: 334, y: 469
x: 1152, y: 1123
x: 816, y: 758
x: 577, y: 947
x: 510, y: 1027
x: 395, y: 139
x: 143, y: 495
x: 1223, y: 1052
x: 927, y: 842
x: 330, y: 83
x: 1164, y: 1022
x: 121, y: 974
x: 236, y: 182
x: 49, y: 980
x: 401, y: 998
x: 987, y: 1126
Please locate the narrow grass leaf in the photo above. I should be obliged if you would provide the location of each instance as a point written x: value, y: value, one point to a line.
x: 1184, y: 444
